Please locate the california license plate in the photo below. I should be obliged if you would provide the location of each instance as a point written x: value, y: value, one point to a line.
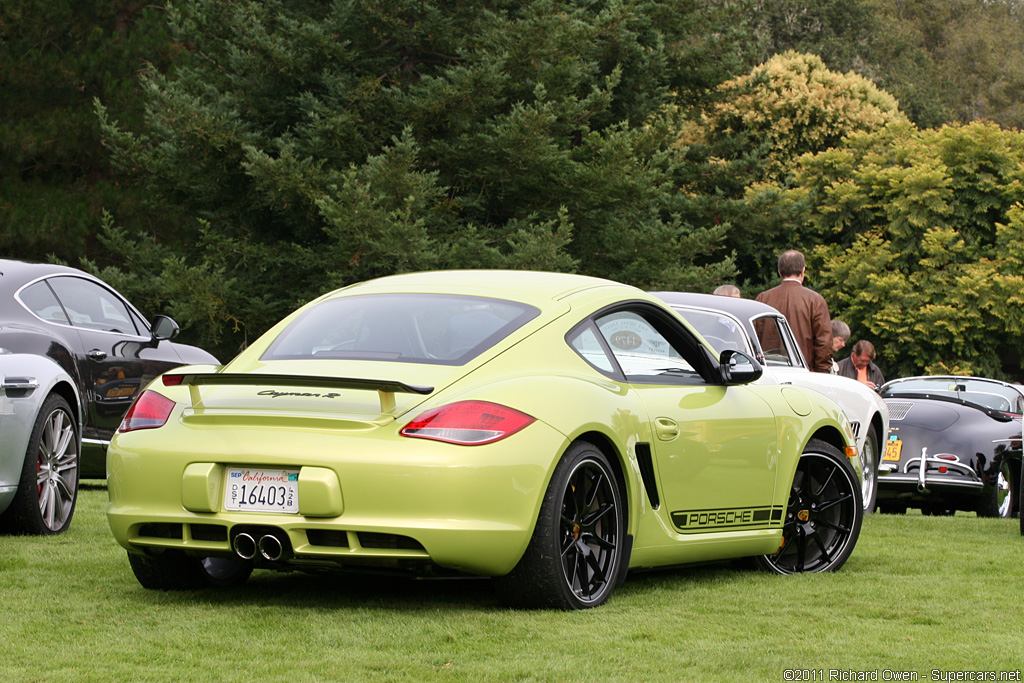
x: 893, y: 448
x: 253, y: 489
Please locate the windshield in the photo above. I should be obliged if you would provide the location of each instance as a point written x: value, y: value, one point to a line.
x: 977, y: 391
x: 720, y: 330
x: 440, y: 329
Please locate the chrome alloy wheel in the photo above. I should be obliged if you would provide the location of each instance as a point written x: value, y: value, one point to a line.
x: 57, y: 469
x: 869, y: 470
x: 1004, y: 496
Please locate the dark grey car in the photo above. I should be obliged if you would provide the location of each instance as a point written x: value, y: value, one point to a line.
x: 96, y: 336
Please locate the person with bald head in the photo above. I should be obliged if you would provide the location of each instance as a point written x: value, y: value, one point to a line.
x: 805, y: 310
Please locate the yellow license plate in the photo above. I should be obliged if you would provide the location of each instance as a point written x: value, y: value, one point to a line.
x: 892, y: 450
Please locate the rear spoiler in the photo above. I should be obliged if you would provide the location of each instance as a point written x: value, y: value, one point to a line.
x: 386, y: 389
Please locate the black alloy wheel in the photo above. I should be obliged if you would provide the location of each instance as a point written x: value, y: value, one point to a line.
x: 573, y: 560
x: 823, y: 515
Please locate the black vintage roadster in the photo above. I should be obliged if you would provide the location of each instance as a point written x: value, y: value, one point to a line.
x: 954, y: 443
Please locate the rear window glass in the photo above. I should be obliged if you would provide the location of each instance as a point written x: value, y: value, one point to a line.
x: 977, y: 391
x: 436, y: 329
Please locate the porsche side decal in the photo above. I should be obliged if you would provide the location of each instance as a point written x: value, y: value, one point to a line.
x: 703, y: 521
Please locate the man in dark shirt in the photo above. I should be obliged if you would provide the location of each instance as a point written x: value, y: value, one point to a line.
x: 805, y: 310
x: 860, y: 365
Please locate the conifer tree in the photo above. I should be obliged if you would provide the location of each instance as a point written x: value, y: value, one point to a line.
x: 308, y: 145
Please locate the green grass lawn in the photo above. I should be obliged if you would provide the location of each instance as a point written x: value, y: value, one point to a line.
x: 919, y: 593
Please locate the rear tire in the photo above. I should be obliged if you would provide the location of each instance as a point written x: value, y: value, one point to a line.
x: 1001, y: 501
x: 823, y: 515
x: 574, y: 557
x: 174, y: 570
x: 48, y: 488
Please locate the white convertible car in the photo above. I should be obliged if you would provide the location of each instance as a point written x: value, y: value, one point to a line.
x: 761, y: 331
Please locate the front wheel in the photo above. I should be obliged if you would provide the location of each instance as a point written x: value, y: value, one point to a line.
x: 575, y: 554
x: 48, y: 488
x: 823, y: 515
x: 869, y: 470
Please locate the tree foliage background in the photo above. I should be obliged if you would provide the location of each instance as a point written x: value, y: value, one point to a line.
x: 225, y: 161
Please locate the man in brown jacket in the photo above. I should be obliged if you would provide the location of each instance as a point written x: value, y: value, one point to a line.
x: 805, y: 309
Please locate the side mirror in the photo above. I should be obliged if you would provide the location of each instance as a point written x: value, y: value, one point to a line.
x: 163, y: 328
x: 739, y: 368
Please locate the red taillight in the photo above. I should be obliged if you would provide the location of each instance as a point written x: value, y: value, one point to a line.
x: 150, y: 411
x: 172, y: 380
x: 469, y: 423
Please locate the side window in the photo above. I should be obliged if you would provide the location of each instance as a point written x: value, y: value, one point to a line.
x: 91, y: 306
x: 584, y: 340
x: 776, y: 342
x: 39, y: 299
x: 643, y: 353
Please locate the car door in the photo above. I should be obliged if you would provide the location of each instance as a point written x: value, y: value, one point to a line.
x: 715, y: 447
x: 115, y: 355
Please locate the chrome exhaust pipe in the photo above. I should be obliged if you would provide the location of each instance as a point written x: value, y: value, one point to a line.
x: 271, y: 548
x: 244, y: 546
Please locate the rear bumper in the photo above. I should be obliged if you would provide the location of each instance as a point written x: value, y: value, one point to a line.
x: 363, y: 500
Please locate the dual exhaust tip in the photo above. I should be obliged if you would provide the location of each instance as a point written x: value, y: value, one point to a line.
x: 268, y: 546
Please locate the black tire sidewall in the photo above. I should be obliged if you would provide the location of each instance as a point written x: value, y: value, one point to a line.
x: 818, y: 448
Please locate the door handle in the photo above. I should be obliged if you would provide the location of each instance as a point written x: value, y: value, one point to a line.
x: 666, y: 429
x: 96, y: 354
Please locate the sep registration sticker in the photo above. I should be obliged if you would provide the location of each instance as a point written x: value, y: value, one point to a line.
x: 253, y: 489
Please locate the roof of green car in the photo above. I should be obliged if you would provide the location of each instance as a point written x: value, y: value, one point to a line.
x: 533, y: 283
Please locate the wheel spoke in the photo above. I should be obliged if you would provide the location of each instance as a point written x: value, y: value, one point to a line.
x: 66, y: 436
x: 832, y: 525
x: 824, y: 484
x: 579, y: 495
x: 594, y: 517
x: 49, y: 507
x: 568, y: 544
x: 583, y: 569
x: 597, y: 578
x: 595, y: 488
x: 42, y: 474
x: 801, y: 549
x: 841, y: 499
x: 821, y: 547
x: 64, y: 488
x: 598, y: 540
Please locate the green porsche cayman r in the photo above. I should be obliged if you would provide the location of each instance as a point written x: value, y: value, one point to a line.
x: 552, y: 431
